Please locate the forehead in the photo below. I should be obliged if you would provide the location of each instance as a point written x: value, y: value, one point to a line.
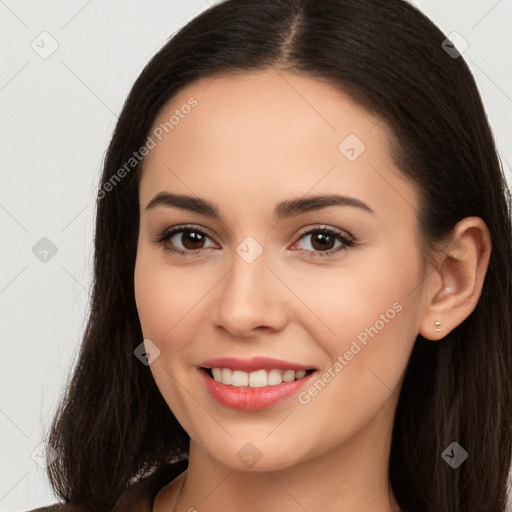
x: 266, y: 132
x: 255, y: 107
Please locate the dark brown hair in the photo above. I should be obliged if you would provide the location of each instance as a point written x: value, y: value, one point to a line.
x: 113, y: 424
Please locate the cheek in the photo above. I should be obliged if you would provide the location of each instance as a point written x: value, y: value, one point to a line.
x: 164, y: 310
x: 153, y: 298
x: 368, y: 298
x: 380, y: 328
x: 373, y: 316
x: 164, y: 294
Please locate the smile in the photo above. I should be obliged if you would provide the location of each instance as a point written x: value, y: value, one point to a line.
x: 254, y: 384
x: 256, y: 379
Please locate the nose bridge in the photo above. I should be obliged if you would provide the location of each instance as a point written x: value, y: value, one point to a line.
x: 248, y: 281
x: 249, y: 295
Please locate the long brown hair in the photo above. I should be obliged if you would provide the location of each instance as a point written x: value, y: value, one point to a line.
x: 113, y: 424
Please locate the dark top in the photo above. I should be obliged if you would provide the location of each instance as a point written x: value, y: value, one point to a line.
x: 139, y: 496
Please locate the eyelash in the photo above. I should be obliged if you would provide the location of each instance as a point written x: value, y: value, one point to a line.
x: 347, y: 241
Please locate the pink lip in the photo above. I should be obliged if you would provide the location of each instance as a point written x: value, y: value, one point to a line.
x: 252, y: 399
x: 253, y: 364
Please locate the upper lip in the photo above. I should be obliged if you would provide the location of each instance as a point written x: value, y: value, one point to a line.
x: 253, y: 364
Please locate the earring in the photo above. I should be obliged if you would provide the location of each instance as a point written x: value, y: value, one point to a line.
x: 437, y: 324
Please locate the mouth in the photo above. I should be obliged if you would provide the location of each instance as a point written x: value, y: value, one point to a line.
x: 255, y: 390
x: 253, y: 384
x: 255, y: 379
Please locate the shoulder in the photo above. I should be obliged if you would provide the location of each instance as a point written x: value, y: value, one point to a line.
x: 139, y: 495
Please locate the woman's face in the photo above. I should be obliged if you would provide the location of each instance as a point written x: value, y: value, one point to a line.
x: 257, y: 274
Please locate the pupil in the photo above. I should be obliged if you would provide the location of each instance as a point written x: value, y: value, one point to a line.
x: 323, y: 239
x: 191, y: 239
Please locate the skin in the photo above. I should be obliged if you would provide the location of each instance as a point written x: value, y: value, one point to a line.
x: 252, y: 141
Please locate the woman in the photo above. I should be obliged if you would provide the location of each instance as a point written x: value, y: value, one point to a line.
x: 302, y: 278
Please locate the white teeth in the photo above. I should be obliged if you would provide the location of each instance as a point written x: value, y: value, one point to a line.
x: 256, y: 379
x: 288, y: 376
x: 240, y: 378
x: 217, y: 374
x: 274, y: 377
x: 227, y: 376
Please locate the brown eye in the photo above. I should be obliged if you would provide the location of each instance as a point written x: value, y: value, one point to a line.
x: 325, y: 241
x: 185, y: 240
x: 191, y: 239
x: 322, y: 241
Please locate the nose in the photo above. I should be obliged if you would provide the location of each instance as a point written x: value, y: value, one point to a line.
x: 250, y: 299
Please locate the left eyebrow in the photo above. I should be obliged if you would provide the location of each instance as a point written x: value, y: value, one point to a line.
x: 305, y: 204
x: 285, y: 209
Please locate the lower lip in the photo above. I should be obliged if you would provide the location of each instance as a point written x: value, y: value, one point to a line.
x: 252, y: 399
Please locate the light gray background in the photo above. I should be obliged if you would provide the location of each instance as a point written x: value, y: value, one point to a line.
x: 57, y: 117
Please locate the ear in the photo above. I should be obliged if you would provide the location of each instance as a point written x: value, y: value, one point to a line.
x: 455, y: 284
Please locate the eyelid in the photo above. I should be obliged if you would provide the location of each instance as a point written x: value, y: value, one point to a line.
x: 347, y: 239
x: 171, y: 231
x: 184, y: 227
x: 325, y: 227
